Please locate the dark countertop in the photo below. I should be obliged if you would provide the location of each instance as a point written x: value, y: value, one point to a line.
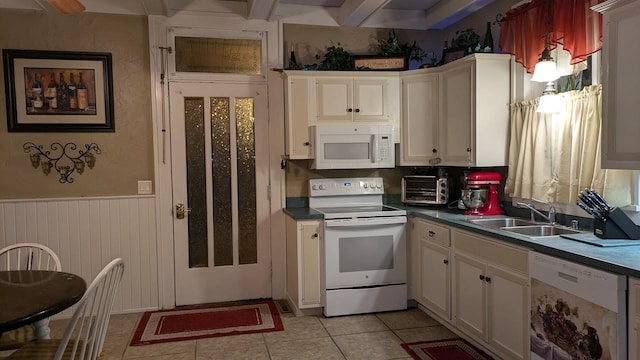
x: 623, y: 260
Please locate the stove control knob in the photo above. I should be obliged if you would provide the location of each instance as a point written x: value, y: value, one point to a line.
x: 379, y: 186
x: 314, y: 187
x: 366, y: 185
x: 323, y: 187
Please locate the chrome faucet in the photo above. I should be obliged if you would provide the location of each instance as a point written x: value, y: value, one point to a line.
x: 551, y: 218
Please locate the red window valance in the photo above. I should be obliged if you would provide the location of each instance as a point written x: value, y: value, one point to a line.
x: 570, y: 22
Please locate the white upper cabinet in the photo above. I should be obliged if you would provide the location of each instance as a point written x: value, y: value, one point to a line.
x: 621, y: 81
x: 473, y: 122
x: 356, y: 99
x: 419, y: 118
x: 457, y: 114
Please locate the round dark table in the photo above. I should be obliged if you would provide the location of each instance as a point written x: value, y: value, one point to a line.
x: 27, y: 296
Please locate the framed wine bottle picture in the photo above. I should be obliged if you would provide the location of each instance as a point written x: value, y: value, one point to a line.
x: 58, y: 91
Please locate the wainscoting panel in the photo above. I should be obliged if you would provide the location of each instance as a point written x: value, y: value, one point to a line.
x: 87, y: 233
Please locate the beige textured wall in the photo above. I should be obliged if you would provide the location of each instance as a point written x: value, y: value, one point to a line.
x: 127, y: 154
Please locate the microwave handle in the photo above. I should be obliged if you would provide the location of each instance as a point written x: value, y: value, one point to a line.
x: 374, y: 149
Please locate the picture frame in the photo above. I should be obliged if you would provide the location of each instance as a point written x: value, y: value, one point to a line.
x: 451, y: 54
x: 41, y: 96
x: 379, y: 62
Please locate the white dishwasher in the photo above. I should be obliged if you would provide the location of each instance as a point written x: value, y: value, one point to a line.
x: 577, y: 312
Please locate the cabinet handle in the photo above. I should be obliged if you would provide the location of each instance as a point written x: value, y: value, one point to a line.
x: 434, y: 150
x: 349, y: 110
x: 445, y: 261
x: 306, y: 143
x: 481, y: 277
x: 468, y: 150
x: 487, y: 279
x: 315, y: 235
x: 431, y: 233
x: 357, y: 110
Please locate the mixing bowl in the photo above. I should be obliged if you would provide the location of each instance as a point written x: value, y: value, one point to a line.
x: 474, y: 198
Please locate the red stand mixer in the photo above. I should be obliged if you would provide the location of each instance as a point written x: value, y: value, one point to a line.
x: 481, y: 194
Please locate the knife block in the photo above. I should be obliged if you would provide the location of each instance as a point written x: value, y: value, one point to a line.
x: 616, y: 226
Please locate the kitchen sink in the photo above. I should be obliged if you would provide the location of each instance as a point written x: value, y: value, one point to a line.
x: 501, y: 222
x: 540, y: 230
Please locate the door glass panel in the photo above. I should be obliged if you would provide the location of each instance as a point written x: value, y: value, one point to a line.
x: 217, y: 55
x: 221, y: 175
x: 196, y: 181
x: 246, y: 181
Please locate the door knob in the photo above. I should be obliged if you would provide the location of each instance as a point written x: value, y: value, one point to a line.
x: 181, y: 211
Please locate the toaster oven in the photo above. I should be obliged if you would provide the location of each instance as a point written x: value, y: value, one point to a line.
x: 425, y: 190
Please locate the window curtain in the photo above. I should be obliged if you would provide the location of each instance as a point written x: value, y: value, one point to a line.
x: 554, y: 156
x: 572, y: 24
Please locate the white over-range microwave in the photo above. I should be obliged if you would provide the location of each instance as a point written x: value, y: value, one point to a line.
x: 352, y: 146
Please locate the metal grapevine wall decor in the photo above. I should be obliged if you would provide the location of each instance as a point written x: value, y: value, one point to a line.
x: 61, y: 158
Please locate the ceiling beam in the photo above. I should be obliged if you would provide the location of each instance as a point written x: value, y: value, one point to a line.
x: 355, y: 12
x: 261, y: 9
x: 445, y: 13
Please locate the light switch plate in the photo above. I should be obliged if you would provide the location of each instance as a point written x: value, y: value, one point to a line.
x: 144, y: 187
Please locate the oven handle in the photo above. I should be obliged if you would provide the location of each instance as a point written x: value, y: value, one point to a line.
x: 366, y: 221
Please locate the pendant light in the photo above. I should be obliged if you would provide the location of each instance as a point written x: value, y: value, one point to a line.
x: 545, y: 69
x: 550, y: 101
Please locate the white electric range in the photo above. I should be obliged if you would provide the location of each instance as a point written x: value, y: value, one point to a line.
x: 364, y: 246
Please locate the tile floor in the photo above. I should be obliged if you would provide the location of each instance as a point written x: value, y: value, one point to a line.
x: 370, y: 337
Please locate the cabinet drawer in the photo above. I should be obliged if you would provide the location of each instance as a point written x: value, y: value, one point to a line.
x: 492, y: 250
x: 437, y: 234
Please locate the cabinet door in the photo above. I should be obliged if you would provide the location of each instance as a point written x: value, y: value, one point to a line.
x: 299, y: 117
x: 335, y: 99
x: 469, y: 295
x: 370, y: 100
x: 310, y: 263
x: 456, y: 115
x: 620, y: 125
x: 507, y: 300
x: 435, y: 278
x: 419, y: 120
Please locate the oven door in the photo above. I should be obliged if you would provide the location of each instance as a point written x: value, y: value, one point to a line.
x: 365, y: 252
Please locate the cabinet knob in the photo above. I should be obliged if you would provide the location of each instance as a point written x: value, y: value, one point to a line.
x: 306, y: 143
x: 315, y: 235
x: 434, y: 150
x: 349, y: 110
x: 481, y: 277
x: 357, y: 110
x: 487, y: 279
x: 445, y: 261
x: 431, y: 233
x: 468, y: 150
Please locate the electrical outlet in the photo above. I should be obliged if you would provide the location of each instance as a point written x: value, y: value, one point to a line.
x: 144, y: 187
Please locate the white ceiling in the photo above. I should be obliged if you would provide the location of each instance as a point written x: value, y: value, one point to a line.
x: 401, y: 14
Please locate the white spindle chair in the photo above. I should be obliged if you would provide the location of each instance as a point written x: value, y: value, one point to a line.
x: 86, y: 331
x: 30, y: 256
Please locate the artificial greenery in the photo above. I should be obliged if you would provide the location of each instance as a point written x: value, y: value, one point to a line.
x: 391, y: 47
x: 466, y: 39
x: 336, y: 58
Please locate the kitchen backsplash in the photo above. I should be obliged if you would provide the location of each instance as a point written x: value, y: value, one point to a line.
x: 298, y: 175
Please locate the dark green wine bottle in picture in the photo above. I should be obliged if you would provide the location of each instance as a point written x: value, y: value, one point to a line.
x: 36, y: 92
x: 52, y: 92
x: 63, y: 96
x: 73, y: 93
x: 83, y: 102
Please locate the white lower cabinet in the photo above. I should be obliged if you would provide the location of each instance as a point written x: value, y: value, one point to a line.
x: 490, y: 293
x: 433, y: 274
x: 634, y: 318
x: 303, y: 263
